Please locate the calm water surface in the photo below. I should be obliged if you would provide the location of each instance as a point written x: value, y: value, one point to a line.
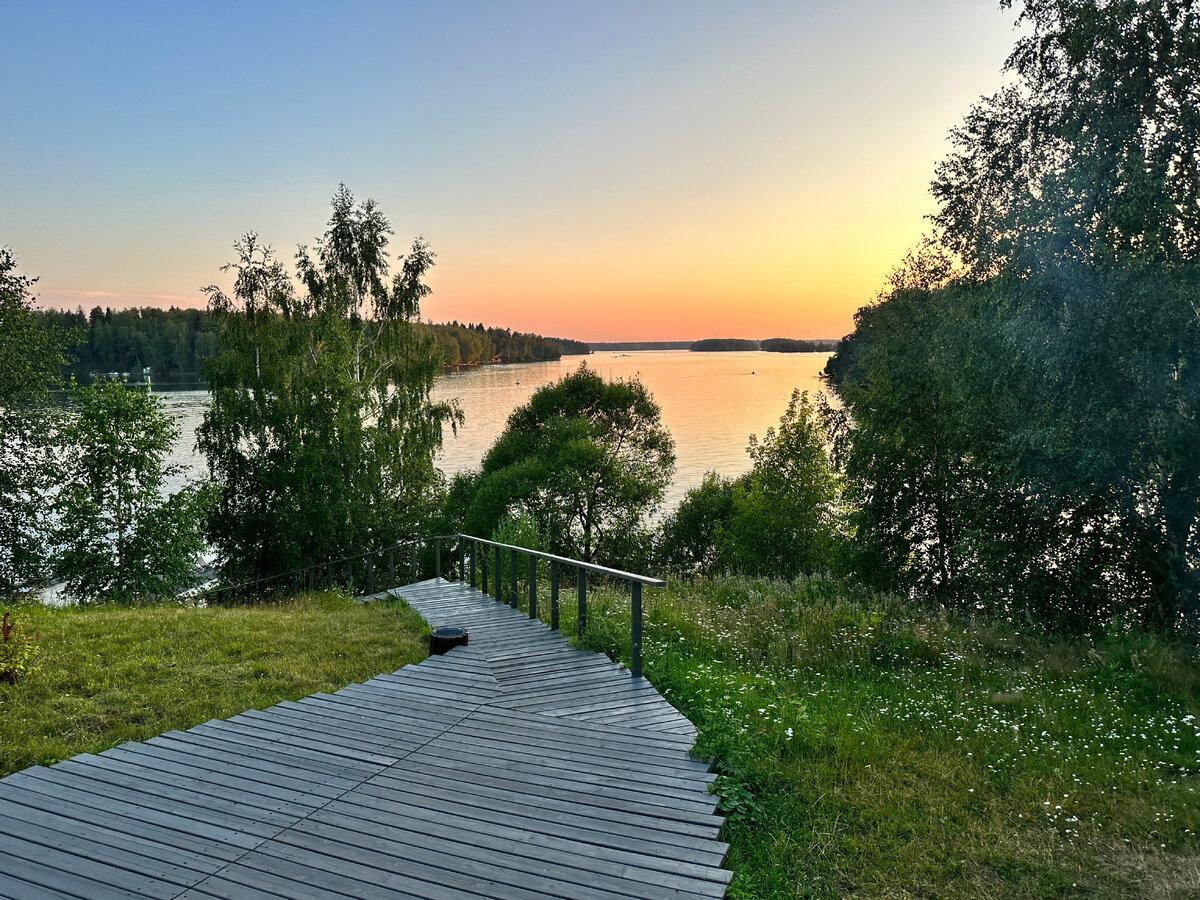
x: 711, y: 403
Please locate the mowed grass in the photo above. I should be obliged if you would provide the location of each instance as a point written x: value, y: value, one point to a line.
x: 109, y: 675
x: 867, y: 749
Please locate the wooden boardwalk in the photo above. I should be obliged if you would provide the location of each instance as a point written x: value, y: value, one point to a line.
x: 517, y: 768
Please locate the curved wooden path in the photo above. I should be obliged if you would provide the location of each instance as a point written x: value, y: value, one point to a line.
x: 517, y: 768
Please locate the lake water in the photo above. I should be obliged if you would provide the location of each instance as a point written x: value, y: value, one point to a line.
x: 711, y: 403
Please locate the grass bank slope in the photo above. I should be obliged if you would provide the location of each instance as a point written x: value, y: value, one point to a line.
x: 868, y: 750
x: 110, y: 675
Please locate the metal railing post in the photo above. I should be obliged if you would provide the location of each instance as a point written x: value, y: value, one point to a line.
x: 635, y: 626
x: 496, y: 576
x: 581, y: 620
x: 532, y: 586
x: 483, y: 571
x: 462, y: 560
x: 512, y: 582
x: 554, y: 595
x: 474, y: 551
x: 437, y: 557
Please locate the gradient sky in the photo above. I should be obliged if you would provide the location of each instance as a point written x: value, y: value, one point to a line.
x: 599, y: 170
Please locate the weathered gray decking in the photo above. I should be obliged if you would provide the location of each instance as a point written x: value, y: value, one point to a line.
x: 516, y: 768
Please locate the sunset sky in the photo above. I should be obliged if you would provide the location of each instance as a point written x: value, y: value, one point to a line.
x: 598, y: 170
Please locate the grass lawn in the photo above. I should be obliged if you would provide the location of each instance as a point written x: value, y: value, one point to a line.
x: 865, y: 749
x: 109, y: 675
x: 870, y: 750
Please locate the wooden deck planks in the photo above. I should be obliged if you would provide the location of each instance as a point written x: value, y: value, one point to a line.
x: 517, y: 768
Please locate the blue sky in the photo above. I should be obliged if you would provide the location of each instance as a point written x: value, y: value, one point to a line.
x: 598, y: 170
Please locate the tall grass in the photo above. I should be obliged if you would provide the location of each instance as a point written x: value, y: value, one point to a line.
x: 870, y: 749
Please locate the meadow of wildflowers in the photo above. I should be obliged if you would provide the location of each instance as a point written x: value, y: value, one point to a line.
x: 869, y: 749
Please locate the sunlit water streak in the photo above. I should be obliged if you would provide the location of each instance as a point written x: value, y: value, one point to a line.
x: 711, y: 403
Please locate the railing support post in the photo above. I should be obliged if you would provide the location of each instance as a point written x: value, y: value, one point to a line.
x: 635, y: 626
x: 532, y: 586
x: 437, y: 557
x: 581, y: 620
x: 462, y: 560
x: 496, y: 576
x: 512, y: 581
x: 474, y: 551
x: 554, y: 595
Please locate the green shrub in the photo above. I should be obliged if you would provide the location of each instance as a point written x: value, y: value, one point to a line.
x: 688, y: 544
x: 17, y: 651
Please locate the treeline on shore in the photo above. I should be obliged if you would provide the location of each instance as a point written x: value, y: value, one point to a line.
x: 770, y: 345
x: 472, y: 344
x: 175, y: 342
x: 166, y: 341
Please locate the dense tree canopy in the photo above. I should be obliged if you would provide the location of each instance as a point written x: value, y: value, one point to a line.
x: 31, y: 350
x: 321, y: 434
x: 1025, y: 401
x: 31, y: 360
x: 119, y: 536
x: 169, y: 342
x: 585, y: 459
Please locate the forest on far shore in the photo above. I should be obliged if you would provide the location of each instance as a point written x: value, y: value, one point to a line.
x: 175, y: 342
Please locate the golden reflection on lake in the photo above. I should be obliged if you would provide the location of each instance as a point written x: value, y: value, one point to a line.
x: 711, y: 402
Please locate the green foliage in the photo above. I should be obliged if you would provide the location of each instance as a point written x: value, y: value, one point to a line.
x: 709, y: 345
x: 17, y: 650
x: 737, y: 803
x: 868, y: 747
x: 785, y: 514
x: 31, y: 358
x: 790, y: 345
x: 1024, y: 430
x: 688, y: 539
x: 120, y: 540
x: 169, y: 342
x: 321, y: 434
x: 31, y: 355
x: 470, y: 344
x: 585, y: 459
x: 781, y: 519
x: 520, y: 530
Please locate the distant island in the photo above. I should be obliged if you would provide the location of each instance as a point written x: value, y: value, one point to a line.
x: 641, y: 345
x: 468, y: 345
x: 770, y: 345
